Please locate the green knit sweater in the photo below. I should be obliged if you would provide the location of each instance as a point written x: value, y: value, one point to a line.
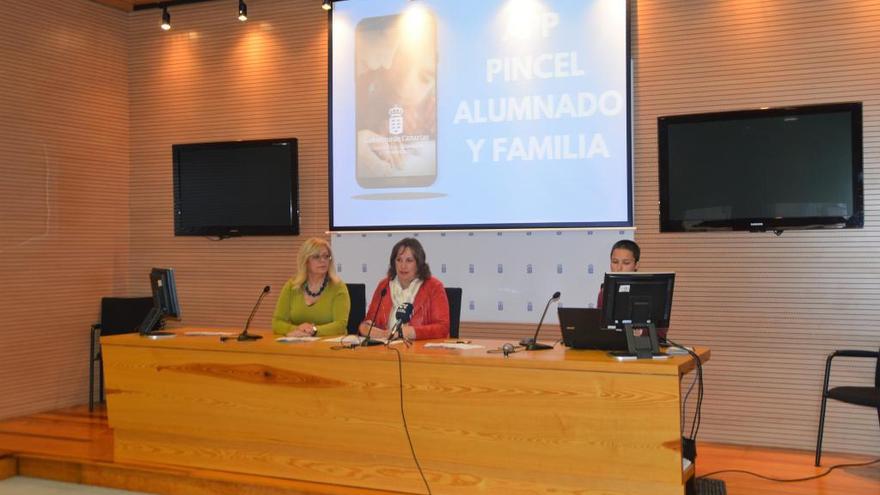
x: 329, y: 313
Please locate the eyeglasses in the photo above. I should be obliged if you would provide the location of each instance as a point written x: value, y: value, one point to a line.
x: 322, y: 257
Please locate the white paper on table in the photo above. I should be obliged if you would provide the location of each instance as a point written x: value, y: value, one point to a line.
x: 355, y: 339
x: 452, y: 345
x: 297, y: 339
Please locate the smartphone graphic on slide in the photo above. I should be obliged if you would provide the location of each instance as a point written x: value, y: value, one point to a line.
x: 396, y: 100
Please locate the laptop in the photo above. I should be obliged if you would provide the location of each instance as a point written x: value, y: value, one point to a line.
x: 582, y: 329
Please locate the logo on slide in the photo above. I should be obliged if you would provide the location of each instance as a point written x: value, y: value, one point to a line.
x: 395, y: 120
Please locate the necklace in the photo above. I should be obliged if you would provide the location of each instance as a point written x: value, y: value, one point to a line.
x: 315, y: 294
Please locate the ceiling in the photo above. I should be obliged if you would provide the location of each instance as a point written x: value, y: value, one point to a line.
x: 128, y: 5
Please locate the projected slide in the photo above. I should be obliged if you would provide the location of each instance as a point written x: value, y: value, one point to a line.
x: 464, y: 114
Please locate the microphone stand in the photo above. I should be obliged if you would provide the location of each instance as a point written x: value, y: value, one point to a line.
x: 244, y: 336
x: 396, y: 333
x: 532, y: 343
x: 367, y: 342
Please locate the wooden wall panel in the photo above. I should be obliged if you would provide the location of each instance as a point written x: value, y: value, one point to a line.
x: 63, y: 193
x: 770, y: 307
x: 213, y: 78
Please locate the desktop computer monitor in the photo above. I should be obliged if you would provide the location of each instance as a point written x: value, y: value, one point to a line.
x: 164, y: 291
x: 637, y: 298
x: 164, y: 301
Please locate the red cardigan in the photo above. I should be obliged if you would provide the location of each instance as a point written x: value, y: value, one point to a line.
x: 430, y: 317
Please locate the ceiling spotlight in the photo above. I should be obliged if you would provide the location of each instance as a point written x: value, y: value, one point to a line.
x: 242, y: 11
x: 327, y: 5
x: 166, y: 19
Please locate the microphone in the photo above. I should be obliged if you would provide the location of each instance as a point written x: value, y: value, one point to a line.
x: 244, y: 335
x: 532, y: 343
x: 403, y: 314
x: 367, y: 340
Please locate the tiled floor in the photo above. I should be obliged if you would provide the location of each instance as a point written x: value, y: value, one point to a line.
x: 20, y: 485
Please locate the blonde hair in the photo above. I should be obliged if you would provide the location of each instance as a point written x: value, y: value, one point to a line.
x: 309, y: 248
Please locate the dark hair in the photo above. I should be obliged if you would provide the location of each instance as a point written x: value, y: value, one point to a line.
x: 630, y: 246
x: 423, y: 271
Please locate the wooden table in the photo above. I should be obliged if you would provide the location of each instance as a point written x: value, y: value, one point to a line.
x: 557, y: 421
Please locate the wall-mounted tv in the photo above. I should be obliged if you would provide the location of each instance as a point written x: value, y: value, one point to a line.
x: 236, y: 188
x: 766, y: 169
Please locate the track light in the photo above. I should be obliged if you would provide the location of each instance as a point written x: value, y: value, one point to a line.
x: 166, y: 19
x: 242, y: 11
x: 327, y: 5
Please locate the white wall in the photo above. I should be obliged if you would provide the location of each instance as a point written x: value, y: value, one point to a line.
x: 504, y: 276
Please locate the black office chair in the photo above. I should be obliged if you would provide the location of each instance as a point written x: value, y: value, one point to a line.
x: 118, y: 315
x: 861, y: 396
x: 454, y: 296
x: 358, y: 295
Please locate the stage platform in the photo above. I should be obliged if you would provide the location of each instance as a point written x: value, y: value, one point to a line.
x: 74, y: 445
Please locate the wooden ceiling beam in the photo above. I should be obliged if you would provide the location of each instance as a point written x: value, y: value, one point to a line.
x: 132, y: 5
x: 124, y: 5
x: 158, y: 4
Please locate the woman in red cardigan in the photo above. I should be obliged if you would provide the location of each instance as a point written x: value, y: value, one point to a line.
x: 409, y: 280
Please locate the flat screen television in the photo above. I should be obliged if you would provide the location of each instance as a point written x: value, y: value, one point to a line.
x: 236, y: 188
x: 765, y: 169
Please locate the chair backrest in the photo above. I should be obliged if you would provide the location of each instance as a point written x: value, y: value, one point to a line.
x: 454, y: 296
x: 123, y: 314
x: 877, y: 374
x: 358, y: 295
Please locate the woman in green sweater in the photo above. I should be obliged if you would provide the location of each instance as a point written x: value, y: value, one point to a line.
x: 315, y: 301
